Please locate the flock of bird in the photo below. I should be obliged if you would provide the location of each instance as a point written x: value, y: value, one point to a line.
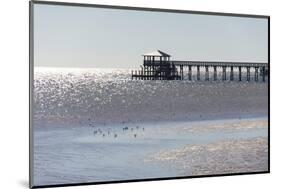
x: 108, y: 132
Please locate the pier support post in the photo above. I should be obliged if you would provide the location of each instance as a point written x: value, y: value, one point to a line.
x: 189, y: 73
x: 154, y: 73
x: 240, y: 73
x: 263, y: 74
x: 231, y: 73
x: 144, y: 73
x: 224, y: 73
x: 198, y: 73
x: 149, y: 73
x: 248, y: 73
x: 256, y: 73
x: 215, y: 73
x: 181, y: 71
x: 207, y: 73
x: 160, y: 71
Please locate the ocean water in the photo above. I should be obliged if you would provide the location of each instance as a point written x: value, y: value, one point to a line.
x: 94, y: 125
x: 102, y: 96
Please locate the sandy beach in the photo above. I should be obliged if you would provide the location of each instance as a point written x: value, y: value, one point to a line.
x: 222, y: 156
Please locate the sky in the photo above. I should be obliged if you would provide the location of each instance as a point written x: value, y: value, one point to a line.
x: 66, y: 36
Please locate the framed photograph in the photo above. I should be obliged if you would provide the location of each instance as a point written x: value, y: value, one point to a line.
x: 125, y: 94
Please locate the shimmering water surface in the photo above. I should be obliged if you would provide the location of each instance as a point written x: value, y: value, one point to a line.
x: 110, y: 96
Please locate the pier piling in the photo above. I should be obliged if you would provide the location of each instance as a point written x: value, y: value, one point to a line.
x: 198, y: 73
x: 263, y: 74
x: 207, y: 73
x: 231, y: 74
x: 215, y: 73
x: 240, y: 73
x: 224, y: 73
x: 181, y: 71
x: 248, y: 73
x: 189, y: 73
x: 256, y: 73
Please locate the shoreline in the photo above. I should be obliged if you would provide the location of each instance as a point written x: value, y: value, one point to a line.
x: 165, y: 122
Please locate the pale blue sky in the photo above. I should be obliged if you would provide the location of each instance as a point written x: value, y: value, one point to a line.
x: 67, y: 36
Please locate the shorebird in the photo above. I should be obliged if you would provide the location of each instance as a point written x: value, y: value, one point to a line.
x: 99, y: 130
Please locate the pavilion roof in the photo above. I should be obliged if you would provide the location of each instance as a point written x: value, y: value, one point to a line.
x: 157, y: 53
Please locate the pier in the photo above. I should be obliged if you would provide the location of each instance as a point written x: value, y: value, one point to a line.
x: 158, y: 66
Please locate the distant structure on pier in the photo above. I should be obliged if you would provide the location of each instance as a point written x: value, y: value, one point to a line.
x: 158, y: 66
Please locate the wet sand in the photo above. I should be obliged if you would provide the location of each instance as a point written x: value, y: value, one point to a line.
x: 221, y: 156
x: 149, y: 150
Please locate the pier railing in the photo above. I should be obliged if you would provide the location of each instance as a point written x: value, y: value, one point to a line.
x: 218, y: 63
x: 168, y: 70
